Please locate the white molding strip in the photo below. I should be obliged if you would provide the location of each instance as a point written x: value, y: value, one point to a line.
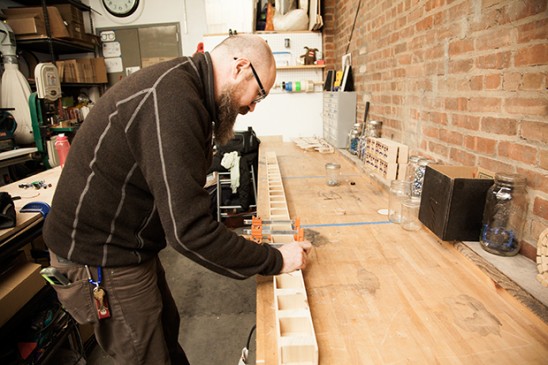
x: 296, y: 339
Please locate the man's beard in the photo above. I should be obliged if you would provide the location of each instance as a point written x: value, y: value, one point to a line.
x: 228, y: 111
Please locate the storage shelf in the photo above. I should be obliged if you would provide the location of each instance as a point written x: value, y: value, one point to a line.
x: 59, y: 45
x: 32, y: 83
x: 286, y: 31
x: 264, y: 32
x: 300, y: 67
x: 76, y: 3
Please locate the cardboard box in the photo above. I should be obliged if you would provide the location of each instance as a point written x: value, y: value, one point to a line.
x: 57, y: 26
x: 75, y: 30
x: 453, y: 199
x: 27, y: 25
x: 84, y: 70
x: 91, y: 39
x: 99, y: 70
x: 17, y: 287
x: 70, y: 13
x: 67, y: 70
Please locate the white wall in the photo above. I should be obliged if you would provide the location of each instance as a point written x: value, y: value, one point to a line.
x: 190, y: 14
x: 287, y: 114
x: 282, y: 113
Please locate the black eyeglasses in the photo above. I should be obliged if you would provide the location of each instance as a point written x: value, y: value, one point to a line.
x: 262, y: 91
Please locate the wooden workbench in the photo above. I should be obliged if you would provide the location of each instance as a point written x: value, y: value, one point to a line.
x: 381, y: 295
x: 28, y: 222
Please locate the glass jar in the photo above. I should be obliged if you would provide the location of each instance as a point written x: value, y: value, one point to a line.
x: 362, y: 147
x: 374, y: 129
x: 412, y: 165
x: 332, y: 172
x: 504, y: 215
x: 410, y: 214
x: 354, y: 139
x: 400, y: 190
x: 418, y: 177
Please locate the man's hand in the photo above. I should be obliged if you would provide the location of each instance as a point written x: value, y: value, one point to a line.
x: 294, y: 254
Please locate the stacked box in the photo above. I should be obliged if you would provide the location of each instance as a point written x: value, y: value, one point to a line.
x: 17, y: 287
x: 27, y: 24
x: 65, y: 21
x: 387, y: 157
x: 82, y: 70
x: 57, y: 26
x: 74, y: 20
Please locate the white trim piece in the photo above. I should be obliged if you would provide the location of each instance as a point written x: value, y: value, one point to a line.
x: 295, y: 336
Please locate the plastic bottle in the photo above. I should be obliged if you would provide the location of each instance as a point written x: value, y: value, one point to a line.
x: 62, y: 146
x: 298, y: 86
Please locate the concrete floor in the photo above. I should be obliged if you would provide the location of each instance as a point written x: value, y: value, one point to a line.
x: 217, y: 313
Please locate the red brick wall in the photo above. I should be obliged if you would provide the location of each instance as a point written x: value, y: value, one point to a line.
x: 460, y: 81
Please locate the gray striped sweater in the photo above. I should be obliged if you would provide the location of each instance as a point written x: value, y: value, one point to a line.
x: 133, y: 180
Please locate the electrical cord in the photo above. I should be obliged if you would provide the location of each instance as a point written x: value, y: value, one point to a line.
x: 245, y: 350
x: 353, y: 26
x: 250, y: 334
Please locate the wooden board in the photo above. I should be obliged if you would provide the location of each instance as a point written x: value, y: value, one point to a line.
x: 295, y: 337
x: 381, y: 295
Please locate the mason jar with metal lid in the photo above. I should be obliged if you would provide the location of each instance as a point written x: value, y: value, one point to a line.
x: 504, y: 215
x: 332, y: 173
x: 353, y: 138
x: 374, y: 128
x: 418, y: 178
x: 412, y: 165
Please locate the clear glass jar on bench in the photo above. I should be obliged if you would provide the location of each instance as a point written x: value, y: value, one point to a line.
x: 504, y: 215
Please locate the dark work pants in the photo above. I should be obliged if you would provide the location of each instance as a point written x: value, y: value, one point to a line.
x: 144, y: 325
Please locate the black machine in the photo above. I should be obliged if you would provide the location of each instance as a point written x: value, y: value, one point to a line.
x: 8, y: 125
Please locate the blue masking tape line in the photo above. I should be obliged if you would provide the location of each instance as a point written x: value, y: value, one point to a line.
x: 311, y: 176
x: 343, y: 224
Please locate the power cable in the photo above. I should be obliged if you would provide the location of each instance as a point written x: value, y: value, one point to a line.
x: 353, y: 26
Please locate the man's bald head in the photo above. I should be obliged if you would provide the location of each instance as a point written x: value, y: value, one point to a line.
x: 244, y: 71
x: 249, y: 46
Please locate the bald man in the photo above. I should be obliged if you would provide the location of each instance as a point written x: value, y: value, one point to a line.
x: 133, y: 183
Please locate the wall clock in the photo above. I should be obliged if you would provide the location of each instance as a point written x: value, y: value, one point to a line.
x: 121, y: 8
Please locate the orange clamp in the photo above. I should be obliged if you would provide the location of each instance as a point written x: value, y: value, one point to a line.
x: 257, y: 229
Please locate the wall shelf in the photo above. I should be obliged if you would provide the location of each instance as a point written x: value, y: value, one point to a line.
x: 43, y: 45
x: 76, y: 3
x: 300, y: 67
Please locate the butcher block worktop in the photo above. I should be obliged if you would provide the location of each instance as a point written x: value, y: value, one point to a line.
x: 381, y: 295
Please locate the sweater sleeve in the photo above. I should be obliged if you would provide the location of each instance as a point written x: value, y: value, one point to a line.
x: 172, y: 154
